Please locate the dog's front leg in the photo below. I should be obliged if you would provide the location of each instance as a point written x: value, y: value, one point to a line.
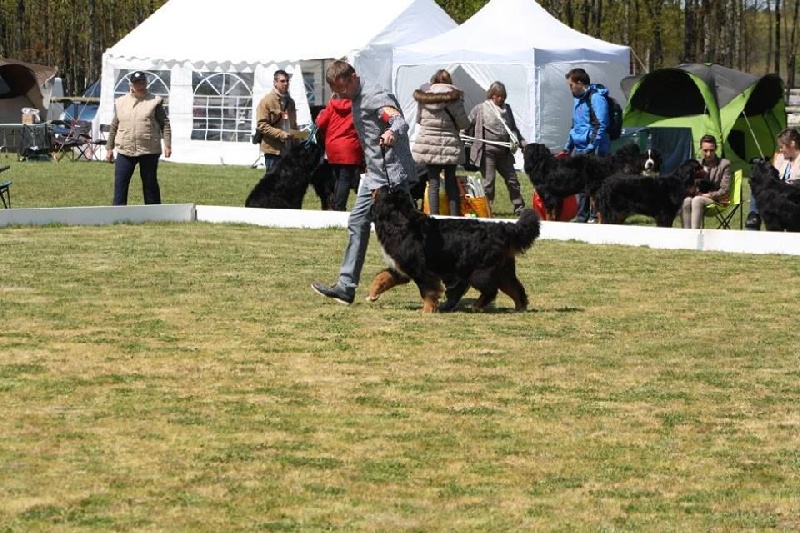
x: 430, y: 303
x: 430, y: 289
x: 383, y: 281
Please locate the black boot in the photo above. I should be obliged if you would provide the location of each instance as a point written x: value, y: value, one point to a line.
x: 753, y: 222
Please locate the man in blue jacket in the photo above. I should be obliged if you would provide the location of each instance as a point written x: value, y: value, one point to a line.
x: 589, y: 132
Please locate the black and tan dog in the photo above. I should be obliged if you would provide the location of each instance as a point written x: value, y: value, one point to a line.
x: 778, y: 202
x: 556, y: 178
x: 461, y: 252
x: 622, y: 195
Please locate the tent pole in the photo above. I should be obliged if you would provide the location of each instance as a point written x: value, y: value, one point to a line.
x: 749, y: 127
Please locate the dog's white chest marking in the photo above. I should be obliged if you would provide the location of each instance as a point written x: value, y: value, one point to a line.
x: 390, y: 262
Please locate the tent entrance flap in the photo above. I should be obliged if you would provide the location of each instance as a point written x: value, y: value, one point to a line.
x: 670, y: 93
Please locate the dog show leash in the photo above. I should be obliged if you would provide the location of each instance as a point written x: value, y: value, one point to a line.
x: 504, y: 144
x: 386, y: 168
x: 312, y: 135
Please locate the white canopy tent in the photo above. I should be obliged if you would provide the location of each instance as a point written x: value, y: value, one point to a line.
x: 214, y: 61
x: 520, y: 44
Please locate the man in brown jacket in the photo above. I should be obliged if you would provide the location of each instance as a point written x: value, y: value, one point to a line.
x: 276, y: 115
x: 140, y: 123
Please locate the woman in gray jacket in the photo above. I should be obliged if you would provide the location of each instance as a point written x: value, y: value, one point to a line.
x: 494, y: 123
x: 441, y: 115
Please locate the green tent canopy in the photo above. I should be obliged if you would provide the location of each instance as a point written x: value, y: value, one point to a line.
x: 743, y: 111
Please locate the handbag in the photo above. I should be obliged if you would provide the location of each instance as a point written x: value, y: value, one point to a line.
x: 513, y: 139
x: 470, y: 191
x: 444, y: 205
x: 464, y: 146
x: 473, y: 198
x: 256, y: 139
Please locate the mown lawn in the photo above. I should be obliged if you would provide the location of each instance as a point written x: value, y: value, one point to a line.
x: 184, y: 377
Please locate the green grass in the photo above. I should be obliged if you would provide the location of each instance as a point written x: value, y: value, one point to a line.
x: 81, y: 183
x: 185, y: 377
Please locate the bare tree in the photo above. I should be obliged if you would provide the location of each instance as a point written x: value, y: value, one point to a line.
x: 791, y: 46
x: 690, y: 12
x: 777, y: 31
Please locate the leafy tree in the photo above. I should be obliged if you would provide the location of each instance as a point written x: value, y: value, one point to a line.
x: 73, y: 34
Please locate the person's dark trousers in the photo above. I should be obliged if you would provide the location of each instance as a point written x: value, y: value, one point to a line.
x: 344, y: 178
x: 586, y: 211
x: 753, y: 222
x: 269, y: 161
x: 148, y: 171
x: 450, y: 187
x: 584, y: 208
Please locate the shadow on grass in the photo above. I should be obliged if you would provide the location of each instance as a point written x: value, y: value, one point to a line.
x: 465, y: 306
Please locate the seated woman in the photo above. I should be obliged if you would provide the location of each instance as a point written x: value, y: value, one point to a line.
x: 714, y: 187
x: 786, y: 161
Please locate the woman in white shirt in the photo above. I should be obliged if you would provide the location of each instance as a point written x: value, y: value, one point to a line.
x: 788, y: 166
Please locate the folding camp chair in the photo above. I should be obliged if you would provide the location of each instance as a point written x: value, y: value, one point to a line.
x: 100, y: 141
x: 724, y: 212
x: 5, y: 190
x: 74, y: 139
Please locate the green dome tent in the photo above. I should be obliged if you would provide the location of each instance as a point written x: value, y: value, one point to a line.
x: 743, y: 111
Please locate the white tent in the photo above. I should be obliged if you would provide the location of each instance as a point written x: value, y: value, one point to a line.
x: 214, y: 60
x: 520, y: 44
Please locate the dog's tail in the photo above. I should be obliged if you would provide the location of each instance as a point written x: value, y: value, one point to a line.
x: 525, y: 231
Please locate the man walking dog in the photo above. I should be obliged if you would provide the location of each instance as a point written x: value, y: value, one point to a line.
x: 383, y: 133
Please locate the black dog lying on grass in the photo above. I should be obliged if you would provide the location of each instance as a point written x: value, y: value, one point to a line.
x: 462, y: 252
x: 622, y: 195
x: 285, y: 186
x: 778, y: 202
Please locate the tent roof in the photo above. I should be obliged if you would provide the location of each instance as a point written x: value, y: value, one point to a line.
x: 42, y: 73
x: 506, y: 31
x: 252, y: 31
x: 27, y: 79
x: 725, y: 83
x: 671, y: 91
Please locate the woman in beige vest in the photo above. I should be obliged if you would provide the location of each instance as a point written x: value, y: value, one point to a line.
x: 140, y: 124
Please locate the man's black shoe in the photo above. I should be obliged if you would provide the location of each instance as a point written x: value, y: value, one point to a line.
x: 334, y: 293
x: 753, y: 222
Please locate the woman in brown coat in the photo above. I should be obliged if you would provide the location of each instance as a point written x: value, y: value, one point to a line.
x: 441, y: 115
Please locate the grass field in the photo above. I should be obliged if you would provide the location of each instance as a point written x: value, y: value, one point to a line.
x: 64, y: 184
x: 184, y: 377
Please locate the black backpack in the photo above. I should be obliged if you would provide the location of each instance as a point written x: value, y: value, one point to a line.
x: 614, y: 114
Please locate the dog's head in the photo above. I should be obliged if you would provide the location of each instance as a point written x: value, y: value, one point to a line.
x: 631, y: 160
x: 534, y: 156
x: 762, y: 170
x: 386, y: 201
x: 304, y: 156
x: 652, y: 164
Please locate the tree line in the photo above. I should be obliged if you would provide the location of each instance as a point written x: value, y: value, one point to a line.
x: 757, y: 36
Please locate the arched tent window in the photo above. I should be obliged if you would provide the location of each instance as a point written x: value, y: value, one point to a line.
x: 157, y: 83
x: 223, y: 107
